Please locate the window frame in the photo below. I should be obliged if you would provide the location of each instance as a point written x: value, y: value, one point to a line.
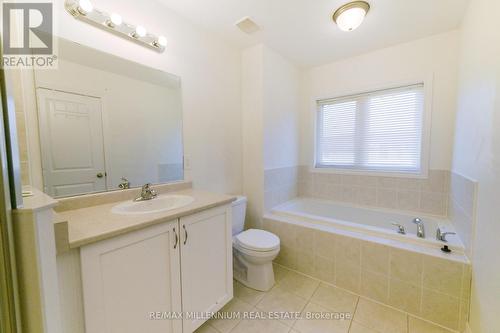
x: 426, y: 129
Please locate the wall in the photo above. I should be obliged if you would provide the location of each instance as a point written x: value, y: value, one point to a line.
x: 477, y: 151
x: 270, y: 90
x: 413, y: 61
x: 210, y: 75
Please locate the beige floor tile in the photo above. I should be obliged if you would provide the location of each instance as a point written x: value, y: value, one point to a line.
x: 357, y: 328
x: 419, y: 326
x: 279, y: 272
x: 206, y: 328
x: 380, y: 318
x: 247, y: 295
x: 327, y: 325
x: 335, y: 299
x: 281, y: 300
x: 298, y: 284
x: 227, y: 324
x: 260, y: 326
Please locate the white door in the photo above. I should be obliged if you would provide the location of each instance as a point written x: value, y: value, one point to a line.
x: 128, y: 277
x: 71, y: 142
x: 206, y: 257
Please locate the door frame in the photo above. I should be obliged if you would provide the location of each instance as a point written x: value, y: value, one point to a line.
x: 10, y: 196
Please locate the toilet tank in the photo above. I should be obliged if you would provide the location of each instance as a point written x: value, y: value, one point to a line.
x: 239, y: 207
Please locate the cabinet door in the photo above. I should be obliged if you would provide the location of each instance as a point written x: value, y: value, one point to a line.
x: 127, y: 278
x: 206, y: 257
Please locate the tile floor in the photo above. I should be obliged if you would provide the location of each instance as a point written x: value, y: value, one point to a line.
x: 294, y: 292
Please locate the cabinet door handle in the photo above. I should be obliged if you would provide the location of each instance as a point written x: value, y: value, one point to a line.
x: 176, y: 239
x: 185, y: 234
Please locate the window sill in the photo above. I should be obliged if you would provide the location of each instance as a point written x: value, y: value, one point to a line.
x: 395, y: 174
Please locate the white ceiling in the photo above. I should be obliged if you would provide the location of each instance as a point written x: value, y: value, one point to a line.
x: 302, y: 30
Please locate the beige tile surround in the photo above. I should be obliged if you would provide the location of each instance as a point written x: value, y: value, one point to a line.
x: 306, y: 295
x: 280, y: 185
x: 430, y: 287
x: 428, y: 195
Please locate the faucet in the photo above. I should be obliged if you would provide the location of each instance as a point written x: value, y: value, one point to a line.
x: 441, y: 235
x: 420, y: 227
x: 401, y: 228
x: 125, y: 184
x: 147, y: 193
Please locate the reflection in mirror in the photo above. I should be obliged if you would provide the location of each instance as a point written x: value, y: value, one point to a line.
x: 97, y: 123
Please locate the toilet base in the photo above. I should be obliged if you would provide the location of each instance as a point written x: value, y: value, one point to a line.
x: 256, y: 276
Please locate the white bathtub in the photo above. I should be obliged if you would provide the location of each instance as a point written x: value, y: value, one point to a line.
x: 373, y: 222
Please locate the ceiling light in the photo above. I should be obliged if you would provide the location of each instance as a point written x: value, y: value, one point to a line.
x: 351, y: 15
x: 140, y: 31
x: 85, y: 7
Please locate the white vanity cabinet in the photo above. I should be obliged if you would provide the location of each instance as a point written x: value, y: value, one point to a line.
x: 181, y: 266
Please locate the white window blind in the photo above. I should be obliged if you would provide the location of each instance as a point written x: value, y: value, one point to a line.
x: 377, y: 131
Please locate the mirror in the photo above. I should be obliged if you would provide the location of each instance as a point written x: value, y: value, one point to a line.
x: 97, y: 123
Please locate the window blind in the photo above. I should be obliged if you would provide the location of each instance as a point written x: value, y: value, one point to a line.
x: 376, y: 131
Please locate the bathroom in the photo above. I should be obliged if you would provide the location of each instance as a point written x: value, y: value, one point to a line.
x: 242, y: 166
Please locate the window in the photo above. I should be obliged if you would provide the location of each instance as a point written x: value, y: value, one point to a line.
x: 380, y: 131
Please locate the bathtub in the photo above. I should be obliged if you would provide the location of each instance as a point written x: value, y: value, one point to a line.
x: 376, y: 223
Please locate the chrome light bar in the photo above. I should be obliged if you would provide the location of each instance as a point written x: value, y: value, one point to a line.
x: 85, y: 11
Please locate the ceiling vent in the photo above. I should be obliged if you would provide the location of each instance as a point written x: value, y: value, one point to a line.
x: 247, y: 25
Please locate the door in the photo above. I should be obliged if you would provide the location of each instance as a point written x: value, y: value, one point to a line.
x: 72, y: 143
x: 127, y: 278
x: 206, y: 256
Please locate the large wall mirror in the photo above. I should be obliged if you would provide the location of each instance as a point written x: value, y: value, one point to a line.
x: 97, y: 123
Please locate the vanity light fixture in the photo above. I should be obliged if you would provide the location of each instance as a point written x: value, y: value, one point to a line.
x: 140, y: 31
x: 83, y: 10
x: 350, y: 16
x: 114, y: 20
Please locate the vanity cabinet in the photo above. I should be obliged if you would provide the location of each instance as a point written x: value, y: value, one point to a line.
x: 133, y: 281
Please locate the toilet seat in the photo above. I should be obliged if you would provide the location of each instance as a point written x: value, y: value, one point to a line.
x: 255, y: 240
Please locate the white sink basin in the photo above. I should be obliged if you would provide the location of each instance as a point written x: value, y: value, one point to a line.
x: 159, y: 204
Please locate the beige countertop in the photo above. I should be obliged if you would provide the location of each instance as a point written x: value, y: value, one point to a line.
x: 91, y: 224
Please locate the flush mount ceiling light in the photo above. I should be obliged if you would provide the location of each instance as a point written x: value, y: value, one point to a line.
x: 84, y: 10
x: 351, y: 15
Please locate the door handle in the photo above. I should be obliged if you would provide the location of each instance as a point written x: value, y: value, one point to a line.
x: 185, y: 234
x: 176, y: 239
x: 100, y: 175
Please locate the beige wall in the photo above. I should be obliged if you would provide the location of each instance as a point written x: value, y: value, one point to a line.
x: 477, y: 153
x: 210, y: 74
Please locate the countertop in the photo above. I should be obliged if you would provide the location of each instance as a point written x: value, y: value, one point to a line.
x: 91, y: 224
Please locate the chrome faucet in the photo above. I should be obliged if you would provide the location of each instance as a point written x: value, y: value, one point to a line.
x: 125, y: 184
x: 147, y: 193
x: 441, y: 235
x: 401, y: 228
x: 420, y: 227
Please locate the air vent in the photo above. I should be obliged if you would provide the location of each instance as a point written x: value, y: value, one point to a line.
x: 247, y: 25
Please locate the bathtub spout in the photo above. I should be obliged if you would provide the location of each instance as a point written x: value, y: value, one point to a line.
x: 420, y: 227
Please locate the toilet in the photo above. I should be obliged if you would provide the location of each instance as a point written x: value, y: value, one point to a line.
x: 253, y: 251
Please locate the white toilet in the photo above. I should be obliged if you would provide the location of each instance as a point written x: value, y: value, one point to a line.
x: 253, y: 251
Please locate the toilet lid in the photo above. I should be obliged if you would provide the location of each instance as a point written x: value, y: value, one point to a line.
x: 258, y: 240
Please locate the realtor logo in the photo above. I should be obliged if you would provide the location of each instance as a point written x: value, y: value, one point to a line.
x: 28, y: 39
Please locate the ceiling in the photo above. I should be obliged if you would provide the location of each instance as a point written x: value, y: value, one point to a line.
x: 302, y: 30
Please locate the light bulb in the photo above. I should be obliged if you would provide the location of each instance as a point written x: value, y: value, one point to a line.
x: 85, y: 7
x: 351, y: 15
x: 116, y: 19
x: 162, y: 41
x: 140, y: 31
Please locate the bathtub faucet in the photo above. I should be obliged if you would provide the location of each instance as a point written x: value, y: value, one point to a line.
x: 420, y: 227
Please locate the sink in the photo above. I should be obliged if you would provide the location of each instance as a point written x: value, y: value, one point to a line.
x: 161, y: 203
